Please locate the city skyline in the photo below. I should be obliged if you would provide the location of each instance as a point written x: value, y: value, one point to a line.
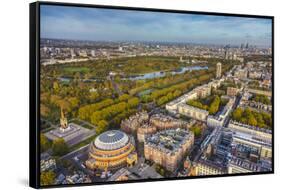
x: 123, y: 25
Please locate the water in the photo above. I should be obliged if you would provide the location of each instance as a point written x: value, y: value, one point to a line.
x: 151, y: 75
x: 160, y: 74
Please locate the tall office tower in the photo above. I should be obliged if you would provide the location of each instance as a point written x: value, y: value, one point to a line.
x: 218, y: 73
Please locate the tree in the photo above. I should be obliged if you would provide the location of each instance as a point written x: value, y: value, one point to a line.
x: 124, y: 97
x: 55, y: 99
x: 45, y: 144
x: 146, y: 98
x: 65, y: 105
x: 86, y: 112
x: 252, y: 120
x: 74, y: 102
x: 260, y: 120
x: 94, y: 95
x: 170, y: 96
x: 261, y: 98
x: 59, y: 147
x: 133, y: 102
x: 44, y: 110
x: 197, y: 104
x: 267, y: 118
x: 47, y: 178
x: 102, y: 126
x: 214, y: 107
x: 196, y: 129
x: 176, y: 93
x: 56, y: 87
x: 237, y: 114
x: 96, y: 117
x: 247, y: 113
x: 162, y: 100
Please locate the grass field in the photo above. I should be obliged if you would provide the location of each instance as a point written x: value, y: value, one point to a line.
x: 76, y: 69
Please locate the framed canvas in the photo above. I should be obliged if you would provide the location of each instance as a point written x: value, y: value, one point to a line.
x: 122, y: 94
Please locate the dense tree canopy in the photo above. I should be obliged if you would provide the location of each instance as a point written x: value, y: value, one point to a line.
x: 261, y: 98
x: 59, y: 147
x: 197, y: 130
x: 47, y: 178
x: 84, y: 90
x: 250, y: 117
x: 212, y: 105
x: 45, y: 144
x: 215, y: 105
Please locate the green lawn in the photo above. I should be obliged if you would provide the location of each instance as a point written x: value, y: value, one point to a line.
x: 76, y: 69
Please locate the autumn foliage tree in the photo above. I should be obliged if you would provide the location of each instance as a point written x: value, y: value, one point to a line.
x: 45, y: 144
x: 59, y: 147
x: 47, y: 178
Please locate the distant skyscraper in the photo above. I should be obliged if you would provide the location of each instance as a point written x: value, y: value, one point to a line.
x: 93, y: 53
x: 226, y: 53
x: 72, y: 53
x: 218, y: 73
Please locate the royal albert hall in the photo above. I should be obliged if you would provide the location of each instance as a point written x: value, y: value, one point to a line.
x: 112, y: 150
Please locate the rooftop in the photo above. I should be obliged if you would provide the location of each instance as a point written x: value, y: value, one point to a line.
x: 111, y: 140
x: 169, y: 140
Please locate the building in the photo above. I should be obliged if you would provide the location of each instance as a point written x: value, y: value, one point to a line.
x: 231, y: 91
x: 251, y: 149
x: 253, y: 137
x: 162, y: 122
x: 112, y: 150
x: 158, y: 122
x: 144, y: 130
x: 199, y: 92
x: 93, y: 53
x: 255, y: 75
x: 203, y: 91
x: 168, y: 148
x: 241, y: 73
x: 237, y: 165
x: 218, y: 72
x: 220, y: 118
x: 256, y: 105
x: 261, y: 133
x: 193, y: 112
x: 262, y: 92
x: 205, y: 166
x: 131, y: 124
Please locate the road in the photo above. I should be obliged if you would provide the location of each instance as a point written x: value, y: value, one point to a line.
x: 72, y: 154
x: 80, y: 138
x: 215, y: 133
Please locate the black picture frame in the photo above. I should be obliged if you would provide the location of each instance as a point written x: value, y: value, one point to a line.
x: 34, y: 90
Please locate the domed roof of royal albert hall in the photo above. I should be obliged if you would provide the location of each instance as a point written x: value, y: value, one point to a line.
x: 111, y: 140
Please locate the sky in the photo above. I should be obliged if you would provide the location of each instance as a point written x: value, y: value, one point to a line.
x: 80, y: 23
